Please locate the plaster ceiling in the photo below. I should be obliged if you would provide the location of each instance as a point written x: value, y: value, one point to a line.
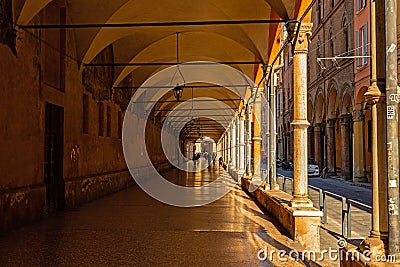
x: 216, y: 43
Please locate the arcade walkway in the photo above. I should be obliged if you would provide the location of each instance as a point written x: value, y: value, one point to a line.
x: 130, y: 228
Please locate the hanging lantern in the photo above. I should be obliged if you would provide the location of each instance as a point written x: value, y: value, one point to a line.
x: 178, y: 91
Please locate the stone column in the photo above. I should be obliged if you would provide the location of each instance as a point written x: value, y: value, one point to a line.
x: 241, y: 146
x: 248, y: 142
x: 318, y: 144
x: 359, y: 146
x: 271, y: 129
x: 300, y: 123
x: 378, y: 240
x: 233, y: 145
x: 331, y: 147
x: 237, y: 143
x: 257, y: 136
x: 346, y: 150
x: 223, y: 147
x: 228, y: 145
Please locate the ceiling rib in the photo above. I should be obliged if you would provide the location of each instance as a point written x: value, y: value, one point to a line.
x: 194, y: 100
x: 152, y: 64
x: 152, y: 24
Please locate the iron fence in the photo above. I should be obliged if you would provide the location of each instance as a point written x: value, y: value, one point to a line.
x: 346, y: 205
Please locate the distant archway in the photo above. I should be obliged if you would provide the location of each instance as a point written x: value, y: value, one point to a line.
x: 333, y: 132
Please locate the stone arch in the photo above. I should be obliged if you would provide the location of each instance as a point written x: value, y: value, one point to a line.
x: 333, y: 131
x: 346, y: 99
x: 346, y: 104
x: 333, y: 102
x: 362, y: 127
x: 360, y: 101
x: 345, y: 141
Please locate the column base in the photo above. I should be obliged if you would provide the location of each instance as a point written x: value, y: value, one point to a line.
x: 331, y: 173
x: 301, y: 202
x: 276, y: 187
x: 374, y: 245
x: 362, y: 179
x: 266, y: 185
x: 346, y: 177
x: 240, y: 173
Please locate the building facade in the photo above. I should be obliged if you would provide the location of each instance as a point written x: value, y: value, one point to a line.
x: 331, y: 90
x: 339, y: 136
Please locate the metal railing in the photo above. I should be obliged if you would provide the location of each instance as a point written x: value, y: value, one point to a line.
x: 346, y: 203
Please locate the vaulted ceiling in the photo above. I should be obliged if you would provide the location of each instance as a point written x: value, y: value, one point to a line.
x: 237, y: 43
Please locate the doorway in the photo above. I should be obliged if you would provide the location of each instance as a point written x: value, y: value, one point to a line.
x: 53, y: 158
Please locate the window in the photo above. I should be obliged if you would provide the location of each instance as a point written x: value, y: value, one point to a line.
x: 85, y: 114
x: 346, y: 35
x: 108, y: 121
x: 362, y: 45
x: 318, y: 67
x: 7, y: 32
x: 331, y: 47
x: 279, y: 104
x: 360, y: 4
x: 319, y: 11
x: 333, y: 3
x: 101, y: 119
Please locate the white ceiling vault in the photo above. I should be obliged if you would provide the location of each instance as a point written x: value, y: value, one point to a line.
x: 152, y: 44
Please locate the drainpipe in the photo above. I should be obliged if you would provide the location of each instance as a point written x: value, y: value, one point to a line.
x: 392, y: 146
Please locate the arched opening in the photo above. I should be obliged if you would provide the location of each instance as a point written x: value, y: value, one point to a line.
x: 319, y: 131
x: 333, y: 133
x: 346, y: 140
x: 310, y: 140
x: 362, y: 124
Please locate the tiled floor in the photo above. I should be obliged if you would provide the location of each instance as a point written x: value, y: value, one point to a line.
x: 130, y: 228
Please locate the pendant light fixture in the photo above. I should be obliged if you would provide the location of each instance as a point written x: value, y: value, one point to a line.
x: 178, y: 90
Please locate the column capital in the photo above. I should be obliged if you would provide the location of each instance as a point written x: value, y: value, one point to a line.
x: 331, y: 123
x: 346, y: 119
x: 373, y: 93
x: 318, y: 126
x: 300, y: 123
x: 300, y: 42
x: 358, y: 115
